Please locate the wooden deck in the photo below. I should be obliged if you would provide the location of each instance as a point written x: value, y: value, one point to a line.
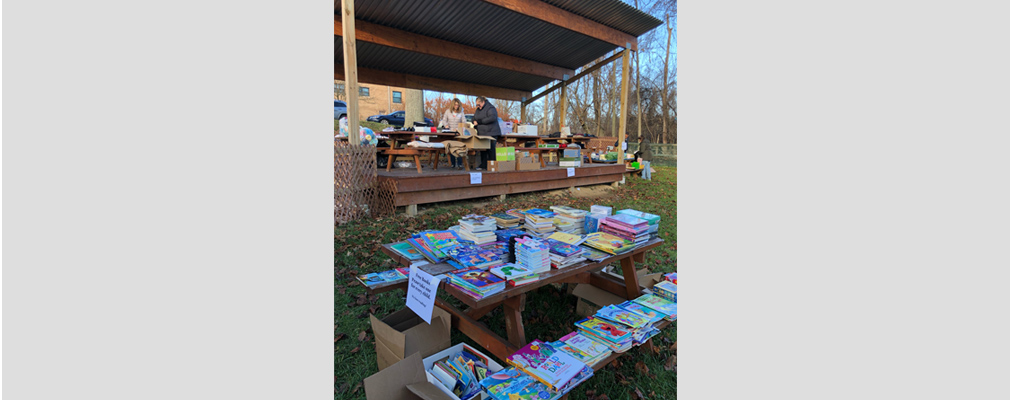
x: 447, y: 184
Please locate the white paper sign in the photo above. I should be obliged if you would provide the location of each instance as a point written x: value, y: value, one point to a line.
x: 475, y: 178
x: 571, y: 172
x: 421, y: 291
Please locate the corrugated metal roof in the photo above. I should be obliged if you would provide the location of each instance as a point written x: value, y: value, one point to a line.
x: 395, y: 60
x: 489, y: 27
x: 615, y: 14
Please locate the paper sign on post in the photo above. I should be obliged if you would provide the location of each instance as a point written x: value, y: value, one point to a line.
x: 421, y: 291
x: 475, y: 178
x: 571, y: 172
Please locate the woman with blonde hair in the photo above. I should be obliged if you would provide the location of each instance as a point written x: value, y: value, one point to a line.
x: 451, y: 119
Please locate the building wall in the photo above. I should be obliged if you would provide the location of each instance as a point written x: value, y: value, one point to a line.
x: 378, y: 101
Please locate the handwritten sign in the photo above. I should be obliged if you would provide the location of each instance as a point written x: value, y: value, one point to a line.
x: 571, y: 172
x: 421, y: 291
x: 475, y: 178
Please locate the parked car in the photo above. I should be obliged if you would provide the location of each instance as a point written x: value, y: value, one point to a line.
x: 395, y: 119
x: 339, y: 109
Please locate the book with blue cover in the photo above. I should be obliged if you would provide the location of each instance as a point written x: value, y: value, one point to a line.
x: 473, y: 256
x: 616, y: 314
x: 563, y: 249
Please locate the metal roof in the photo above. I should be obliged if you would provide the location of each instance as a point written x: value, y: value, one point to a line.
x: 486, y: 26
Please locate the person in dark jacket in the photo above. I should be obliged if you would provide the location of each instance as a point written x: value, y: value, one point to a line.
x: 485, y: 120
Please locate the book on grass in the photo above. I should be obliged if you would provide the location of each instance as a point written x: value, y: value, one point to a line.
x: 513, y: 384
x: 645, y: 312
x: 609, y: 331
x: 590, y: 347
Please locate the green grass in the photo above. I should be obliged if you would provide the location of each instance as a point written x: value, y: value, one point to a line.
x: 550, y: 312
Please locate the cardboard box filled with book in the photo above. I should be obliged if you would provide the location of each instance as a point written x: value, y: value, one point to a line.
x: 403, y: 333
x: 470, y: 138
x: 527, y: 161
x: 505, y: 160
x: 451, y: 374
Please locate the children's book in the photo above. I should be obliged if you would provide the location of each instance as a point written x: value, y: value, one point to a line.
x: 563, y: 249
x: 586, y: 345
x: 660, y: 304
x: 608, y: 243
x: 615, y: 333
x: 558, y: 369
x: 645, y: 312
x: 510, y: 271
x: 616, y: 314
x: 568, y: 238
x: 407, y: 251
x: 376, y: 278
x: 473, y: 256
x: 593, y: 254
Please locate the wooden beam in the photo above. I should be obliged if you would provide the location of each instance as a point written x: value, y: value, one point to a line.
x: 390, y: 37
x: 350, y: 68
x: 426, y: 83
x: 622, y: 131
x: 576, y: 77
x: 558, y: 17
x: 563, y: 105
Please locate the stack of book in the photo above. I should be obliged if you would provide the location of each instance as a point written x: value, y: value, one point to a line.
x: 514, y: 275
x: 539, y: 223
x: 663, y: 306
x: 640, y: 327
x: 476, y: 282
x: 651, y: 315
x: 596, y: 214
x: 613, y: 335
x: 499, y: 248
x: 478, y: 228
x: 511, y: 383
x: 518, y: 213
x: 564, y: 255
x: 506, y: 221
x: 672, y: 277
x: 569, y: 238
x: 461, y: 373
x: 533, y: 254
x: 474, y: 257
x: 432, y: 244
x: 666, y: 290
x: 583, y: 348
x: 652, y: 219
x: 626, y: 227
x: 608, y: 243
x: 592, y: 254
x: 557, y: 370
x: 570, y: 220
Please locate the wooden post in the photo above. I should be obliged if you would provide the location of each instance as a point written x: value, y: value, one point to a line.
x: 562, y: 105
x: 624, y: 106
x: 350, y: 72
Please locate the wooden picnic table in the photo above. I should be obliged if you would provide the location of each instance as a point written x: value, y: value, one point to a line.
x: 513, y: 300
x: 395, y: 137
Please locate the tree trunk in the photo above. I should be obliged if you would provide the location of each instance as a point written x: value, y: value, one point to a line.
x: 666, y: 81
x: 413, y: 103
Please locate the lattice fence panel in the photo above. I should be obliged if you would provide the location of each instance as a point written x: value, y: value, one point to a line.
x: 357, y: 192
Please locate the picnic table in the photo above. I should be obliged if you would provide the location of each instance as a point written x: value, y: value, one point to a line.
x: 396, y: 149
x: 513, y: 299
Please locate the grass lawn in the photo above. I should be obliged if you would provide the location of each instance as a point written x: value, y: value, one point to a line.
x: 550, y: 312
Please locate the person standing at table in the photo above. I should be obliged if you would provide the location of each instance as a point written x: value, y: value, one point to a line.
x: 485, y: 119
x: 451, y: 119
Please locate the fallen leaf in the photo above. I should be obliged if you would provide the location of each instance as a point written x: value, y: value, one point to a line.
x: 362, y: 336
x: 339, y: 336
x: 373, y: 308
x: 343, y: 387
x: 355, y: 350
x: 671, y: 363
x: 356, y: 387
x: 642, y: 368
x: 637, y: 394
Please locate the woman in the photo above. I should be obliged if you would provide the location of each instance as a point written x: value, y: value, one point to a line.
x: 451, y: 119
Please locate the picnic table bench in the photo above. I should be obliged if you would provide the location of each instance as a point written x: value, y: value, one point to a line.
x: 512, y: 299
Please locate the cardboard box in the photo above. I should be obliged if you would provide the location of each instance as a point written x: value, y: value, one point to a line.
x: 574, y: 153
x: 505, y: 153
x: 492, y: 366
x: 527, y: 130
x: 405, y: 380
x: 566, y: 131
x: 592, y: 298
x: 475, y: 142
x: 403, y: 333
x: 526, y: 161
x: 645, y: 278
x: 501, y: 166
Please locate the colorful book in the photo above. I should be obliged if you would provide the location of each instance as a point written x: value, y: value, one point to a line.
x: 645, y: 312
x: 563, y: 249
x: 567, y: 238
x: 660, y: 304
x: 616, y: 314
x: 666, y: 290
x: 510, y: 271
x: 376, y: 278
x: 407, y: 251
x: 608, y: 243
x: 586, y: 345
x: 609, y: 331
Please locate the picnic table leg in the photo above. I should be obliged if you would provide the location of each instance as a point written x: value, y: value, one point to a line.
x: 389, y: 163
x: 631, y: 284
x: 476, y: 313
x: 417, y: 162
x: 514, y: 320
x: 477, y: 331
